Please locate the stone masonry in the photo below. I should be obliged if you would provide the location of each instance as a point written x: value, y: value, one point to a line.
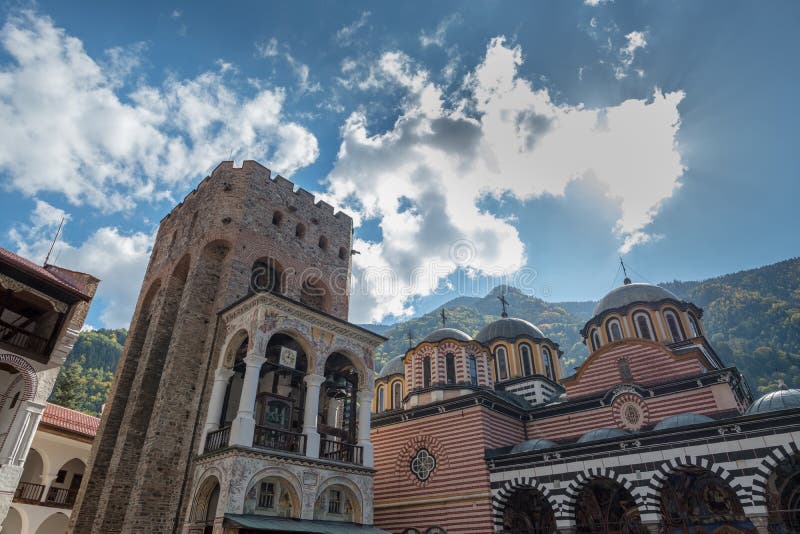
x: 138, y: 476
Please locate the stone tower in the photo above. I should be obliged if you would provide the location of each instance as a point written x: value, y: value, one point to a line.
x: 238, y: 233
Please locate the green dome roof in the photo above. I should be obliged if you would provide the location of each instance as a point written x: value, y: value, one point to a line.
x: 682, y: 419
x: 447, y: 333
x: 508, y: 328
x: 783, y: 399
x: 630, y: 293
x: 602, y: 433
x: 533, y: 445
x: 393, y: 367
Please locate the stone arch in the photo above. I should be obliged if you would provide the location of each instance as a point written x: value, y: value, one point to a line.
x: 27, y: 372
x: 203, y: 498
x: 54, y: 524
x: 659, y: 478
x: 294, y: 484
x: 358, y: 515
x: 366, y: 378
x: 37, y: 464
x: 765, y: 470
x: 507, y: 489
x: 301, y: 333
x: 585, y: 477
x: 231, y: 345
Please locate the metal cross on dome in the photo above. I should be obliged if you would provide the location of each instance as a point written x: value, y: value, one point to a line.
x: 444, y: 318
x: 502, y: 299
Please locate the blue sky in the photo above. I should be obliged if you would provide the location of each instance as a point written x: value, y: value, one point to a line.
x: 475, y: 142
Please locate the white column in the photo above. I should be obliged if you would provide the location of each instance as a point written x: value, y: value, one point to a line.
x: 221, y: 378
x: 244, y: 425
x: 313, y: 383
x: 20, y: 434
x: 364, y: 413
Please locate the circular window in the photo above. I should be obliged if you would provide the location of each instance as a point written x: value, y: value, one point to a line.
x: 422, y: 464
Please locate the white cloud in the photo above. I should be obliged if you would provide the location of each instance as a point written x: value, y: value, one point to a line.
x: 346, y: 34
x: 269, y: 48
x: 65, y: 129
x: 437, y: 37
x: 118, y: 259
x: 634, y: 41
x: 595, y: 3
x: 423, y: 180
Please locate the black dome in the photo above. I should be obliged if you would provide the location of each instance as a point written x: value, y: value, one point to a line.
x: 783, y: 399
x: 508, y: 328
x: 533, y: 445
x: 393, y: 367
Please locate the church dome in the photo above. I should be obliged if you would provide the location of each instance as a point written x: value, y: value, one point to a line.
x: 447, y: 333
x: 631, y: 293
x: 783, y: 399
x: 602, y: 433
x: 682, y: 419
x: 395, y: 366
x: 508, y: 328
x: 533, y: 445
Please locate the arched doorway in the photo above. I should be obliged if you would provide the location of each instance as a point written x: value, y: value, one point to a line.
x: 64, y: 488
x: 30, y: 488
x: 55, y: 524
x: 528, y: 512
x: 204, y: 509
x: 338, y: 426
x: 783, y: 496
x: 604, y: 506
x: 696, y: 499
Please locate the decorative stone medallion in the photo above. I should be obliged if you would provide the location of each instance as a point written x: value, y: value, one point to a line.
x: 422, y: 464
x: 630, y: 412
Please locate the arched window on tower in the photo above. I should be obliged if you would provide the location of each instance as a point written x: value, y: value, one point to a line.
x: 644, y: 328
x: 450, y: 368
x: 674, y: 325
x: 397, y: 395
x: 548, y: 363
x: 426, y: 371
x: 526, y: 358
x: 473, y: 371
x: 596, y: 343
x: 614, y: 330
x: 694, y: 325
x: 379, y: 402
x: 501, y: 361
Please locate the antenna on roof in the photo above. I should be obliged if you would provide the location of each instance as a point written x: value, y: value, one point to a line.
x: 444, y: 318
x: 625, y: 272
x: 53, y: 244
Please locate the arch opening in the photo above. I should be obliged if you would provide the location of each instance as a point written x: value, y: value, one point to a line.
x: 204, y: 508
x: 338, y: 410
x: 783, y: 496
x: 527, y: 511
x: 604, y: 506
x: 695, y: 498
x: 337, y: 502
x: 272, y: 496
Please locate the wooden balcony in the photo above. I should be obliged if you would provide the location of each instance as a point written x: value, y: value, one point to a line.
x: 27, y: 341
x: 60, y: 497
x: 279, y: 440
x: 341, y: 451
x: 28, y: 492
x: 218, y: 439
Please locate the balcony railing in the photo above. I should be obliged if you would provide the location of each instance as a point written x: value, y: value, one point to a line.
x: 218, y: 439
x: 29, y: 492
x: 341, y: 451
x: 61, y: 497
x: 281, y: 440
x: 20, y: 338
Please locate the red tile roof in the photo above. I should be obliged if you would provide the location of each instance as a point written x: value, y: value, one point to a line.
x: 70, y: 420
x: 50, y: 273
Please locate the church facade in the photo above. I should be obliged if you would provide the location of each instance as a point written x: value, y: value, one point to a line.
x: 652, y: 433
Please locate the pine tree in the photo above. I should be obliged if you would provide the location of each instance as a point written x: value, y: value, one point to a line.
x: 70, y: 388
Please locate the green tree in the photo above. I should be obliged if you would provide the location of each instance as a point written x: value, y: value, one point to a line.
x: 70, y: 388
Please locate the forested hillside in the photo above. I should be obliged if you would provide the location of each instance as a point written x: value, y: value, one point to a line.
x: 752, y: 318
